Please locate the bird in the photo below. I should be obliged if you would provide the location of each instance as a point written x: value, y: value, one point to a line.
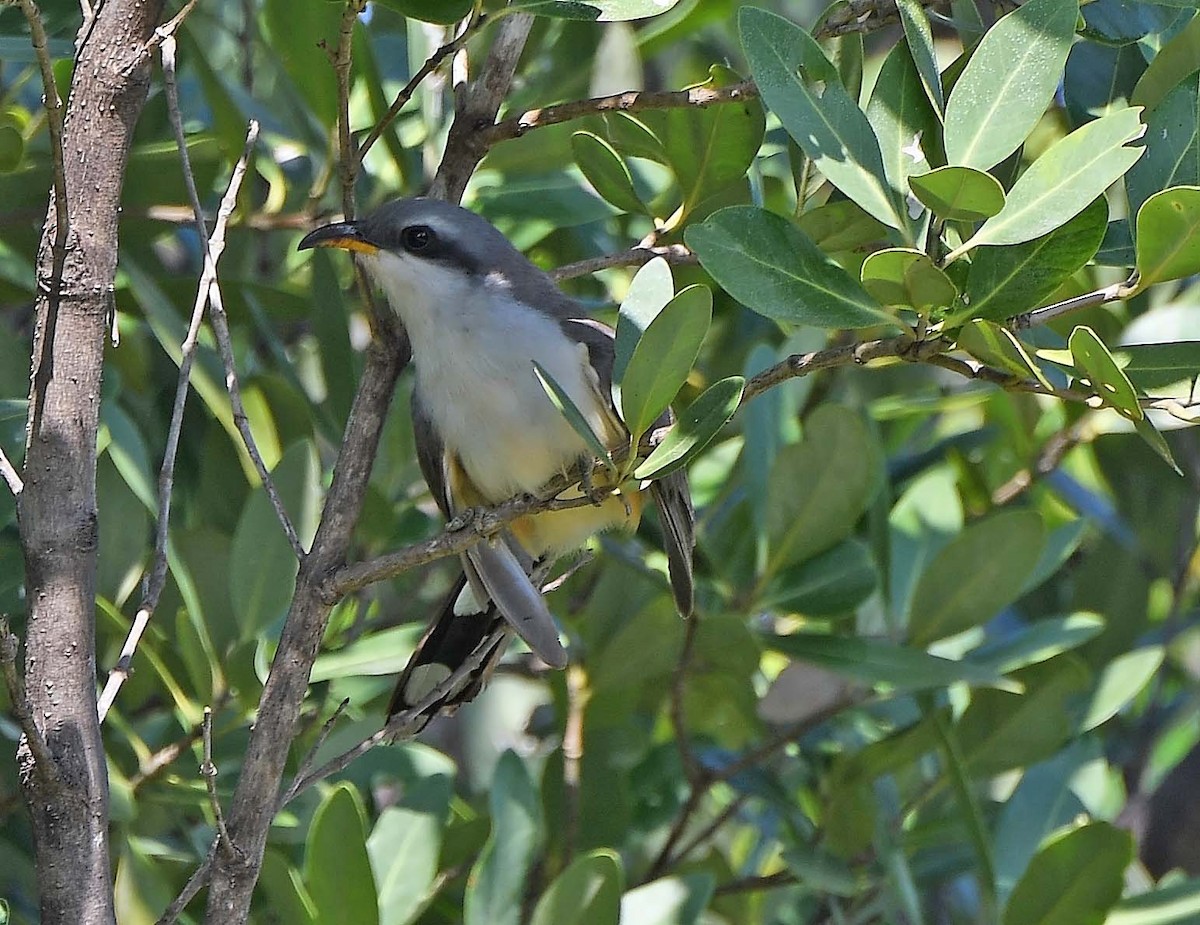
x: 479, y: 315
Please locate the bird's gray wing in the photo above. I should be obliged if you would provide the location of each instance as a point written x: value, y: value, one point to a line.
x: 672, y: 495
x: 431, y: 455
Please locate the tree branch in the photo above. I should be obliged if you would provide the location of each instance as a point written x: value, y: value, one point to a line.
x: 208, y: 771
x: 11, y: 477
x: 675, y: 254
x: 43, y: 768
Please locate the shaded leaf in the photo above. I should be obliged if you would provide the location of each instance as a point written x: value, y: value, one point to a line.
x: 403, y: 849
x: 1120, y: 682
x: 336, y: 867
x: 901, y: 276
x: 606, y: 171
x: 1175, y: 62
x: 1172, y: 146
x: 588, y: 892
x: 902, y: 118
x: 1074, y: 879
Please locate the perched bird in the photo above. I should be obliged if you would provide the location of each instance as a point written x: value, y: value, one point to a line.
x: 479, y: 315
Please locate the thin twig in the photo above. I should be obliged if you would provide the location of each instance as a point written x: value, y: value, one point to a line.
x: 1049, y: 459
x: 44, y: 766
x: 348, y: 160
x: 326, y: 728
x: 757, y: 884
x: 434, y: 61
x: 156, y: 577
x: 711, y: 829
x: 154, y: 765
x: 11, y: 477
x: 166, y: 31
x: 572, y: 751
x: 208, y: 771
x: 674, y: 254
x: 1115, y: 292
x: 219, y: 321
x: 193, y: 886
x: 43, y: 364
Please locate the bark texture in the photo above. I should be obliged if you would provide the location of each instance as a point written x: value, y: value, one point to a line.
x: 57, y: 507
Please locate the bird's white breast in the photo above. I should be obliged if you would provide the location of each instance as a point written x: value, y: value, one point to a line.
x: 474, y: 349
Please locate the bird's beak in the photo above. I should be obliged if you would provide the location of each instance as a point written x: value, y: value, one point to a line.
x: 340, y: 234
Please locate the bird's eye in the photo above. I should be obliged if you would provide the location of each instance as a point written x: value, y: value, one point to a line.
x: 417, y: 237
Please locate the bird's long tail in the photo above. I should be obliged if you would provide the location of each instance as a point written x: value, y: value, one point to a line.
x: 461, y: 626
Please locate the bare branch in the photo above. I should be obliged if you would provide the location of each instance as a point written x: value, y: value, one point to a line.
x: 310, y: 759
x: 167, y: 30
x: 1049, y: 459
x: 475, y: 21
x: 45, y: 769
x: 629, y: 101
x: 11, y: 477
x: 200, y: 876
x: 674, y: 254
x: 348, y: 160
x: 208, y: 771
x: 757, y: 884
x: 153, y: 765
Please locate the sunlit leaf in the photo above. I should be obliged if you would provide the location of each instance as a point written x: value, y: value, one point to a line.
x: 1076, y: 877
x: 959, y: 193
x: 1168, y: 236
x: 1093, y: 359
x: 695, y: 427
x: 337, y: 870
x: 902, y: 276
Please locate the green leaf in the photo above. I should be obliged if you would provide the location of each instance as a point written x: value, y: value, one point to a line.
x: 12, y: 147
x: 771, y: 267
x: 1008, y: 83
x: 1039, y: 642
x: 606, y: 171
x: 975, y: 575
x: 1063, y: 182
x: 1093, y: 359
x: 652, y: 288
x: 1154, y: 438
x: 820, y: 486
x: 902, y: 276
x: 841, y: 226
x: 339, y: 363
x: 336, y: 867
x: 601, y: 10
x: 833, y: 582
x: 802, y: 88
x: 443, y: 12
x: 1168, y: 242
x: 1172, y: 146
x: 1005, y: 281
x: 588, y: 892
x: 569, y: 410
x: 1120, y: 682
x: 901, y: 117
x: 262, y: 568
x: 1074, y: 879
x: 496, y: 885
x: 1179, y: 902
x: 694, y: 428
x: 299, y: 34
x: 959, y: 193
x: 671, y: 901
x: 919, y: 36
x: 998, y: 346
x: 403, y: 849
x: 1175, y: 62
x: 875, y: 662
x: 382, y: 653
x: 663, y: 358
x: 710, y: 147
x: 1156, y: 366
x: 285, y: 890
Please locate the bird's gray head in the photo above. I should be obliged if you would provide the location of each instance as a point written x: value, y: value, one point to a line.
x: 426, y: 251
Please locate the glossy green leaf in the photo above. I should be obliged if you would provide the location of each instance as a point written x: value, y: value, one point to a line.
x: 382, y: 653
x: 300, y: 33
x: 436, y: 11
x: 1074, y: 879
x: 569, y: 410
x: 1172, y: 146
x: 1064, y: 181
x: 820, y: 486
x: 1168, y: 236
x: 601, y: 10
x: 606, y: 171
x: 262, y: 569
x: 1120, y: 682
x: 1039, y: 642
x: 1093, y: 359
x: 998, y: 346
x: 770, y: 266
x: 496, y: 886
x: 802, y: 88
x: 1008, y: 83
x: 663, y: 358
x: 285, y: 891
x: 710, y: 147
x: 902, y: 276
x: 1156, y: 366
x: 902, y: 118
x: 832, y: 582
x: 919, y: 36
x: 1174, y: 63
x: 1100, y: 78
x: 841, y: 226
x: 1005, y: 281
x: 959, y: 193
x: 679, y: 900
x: 977, y: 574
x: 588, y: 892
x: 652, y: 288
x: 877, y: 662
x: 403, y: 848
x: 336, y: 867
x: 694, y: 428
